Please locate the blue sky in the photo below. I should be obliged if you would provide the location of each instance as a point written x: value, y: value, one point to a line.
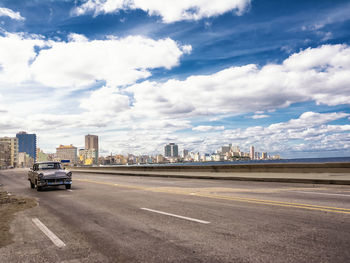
x: 140, y: 74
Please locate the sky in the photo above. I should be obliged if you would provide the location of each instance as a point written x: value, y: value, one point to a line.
x: 143, y: 73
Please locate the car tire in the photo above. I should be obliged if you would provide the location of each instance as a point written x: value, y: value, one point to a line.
x: 31, y: 184
x: 68, y: 186
x: 38, y: 188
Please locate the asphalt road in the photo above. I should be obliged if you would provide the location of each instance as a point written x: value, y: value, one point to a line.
x: 109, y: 218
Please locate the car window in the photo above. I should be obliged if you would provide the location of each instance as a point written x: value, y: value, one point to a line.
x: 45, y: 166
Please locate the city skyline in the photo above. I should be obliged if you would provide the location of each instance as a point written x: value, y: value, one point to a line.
x: 273, y: 74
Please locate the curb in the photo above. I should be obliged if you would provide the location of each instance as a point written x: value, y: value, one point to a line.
x: 233, y: 178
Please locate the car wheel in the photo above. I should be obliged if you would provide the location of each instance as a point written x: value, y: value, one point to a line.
x: 38, y: 188
x: 68, y: 186
x: 31, y: 184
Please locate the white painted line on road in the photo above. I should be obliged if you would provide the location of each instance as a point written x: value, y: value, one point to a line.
x: 70, y: 190
x: 321, y: 193
x: 182, y: 217
x: 58, y: 242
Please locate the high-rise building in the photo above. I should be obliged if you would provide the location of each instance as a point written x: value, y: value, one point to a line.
x: 67, y: 152
x: 91, y: 146
x: 27, y: 143
x: 251, y: 153
x: 91, y: 142
x: 13, y: 144
x: 171, y: 150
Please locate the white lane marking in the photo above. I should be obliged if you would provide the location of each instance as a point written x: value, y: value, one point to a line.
x: 182, y: 217
x: 320, y: 193
x: 70, y: 190
x: 58, y: 242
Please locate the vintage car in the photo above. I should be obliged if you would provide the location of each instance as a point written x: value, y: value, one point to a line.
x: 49, y: 174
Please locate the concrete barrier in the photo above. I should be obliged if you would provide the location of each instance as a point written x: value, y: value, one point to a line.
x: 239, y: 168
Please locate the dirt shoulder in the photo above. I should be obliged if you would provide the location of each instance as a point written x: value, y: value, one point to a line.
x: 9, y: 205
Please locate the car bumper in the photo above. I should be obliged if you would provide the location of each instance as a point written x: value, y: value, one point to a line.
x: 53, y: 182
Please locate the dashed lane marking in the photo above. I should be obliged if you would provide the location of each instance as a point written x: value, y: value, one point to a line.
x: 223, y: 197
x: 178, y: 216
x: 58, y: 242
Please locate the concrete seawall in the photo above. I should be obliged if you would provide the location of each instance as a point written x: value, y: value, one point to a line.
x: 236, y: 168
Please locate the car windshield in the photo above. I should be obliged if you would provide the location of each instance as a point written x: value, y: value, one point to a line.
x: 50, y: 166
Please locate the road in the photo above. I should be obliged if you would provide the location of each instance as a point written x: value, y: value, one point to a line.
x: 109, y: 218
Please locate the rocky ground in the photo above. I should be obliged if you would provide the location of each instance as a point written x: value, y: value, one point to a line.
x: 9, y: 206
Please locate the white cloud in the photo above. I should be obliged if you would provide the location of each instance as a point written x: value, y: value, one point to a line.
x: 309, y: 132
x: 318, y: 74
x: 259, y: 116
x: 73, y: 37
x: 106, y: 100
x: 116, y: 61
x: 80, y: 62
x: 162, y: 124
x: 16, y: 53
x: 309, y: 119
x: 206, y: 128
x: 170, y: 11
x: 11, y: 14
x: 144, y: 116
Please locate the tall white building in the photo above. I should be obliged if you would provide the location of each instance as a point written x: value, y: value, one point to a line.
x: 251, y: 153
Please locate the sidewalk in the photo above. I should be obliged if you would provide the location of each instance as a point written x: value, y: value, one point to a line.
x: 312, y: 178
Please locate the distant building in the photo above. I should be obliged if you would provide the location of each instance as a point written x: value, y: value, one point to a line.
x: 171, y: 150
x: 159, y: 158
x: 257, y: 155
x: 251, y: 153
x: 120, y: 159
x: 41, y: 156
x: 67, y: 152
x: 13, y: 144
x: 225, y: 149
x: 27, y: 143
x: 25, y: 160
x: 235, y: 150
x: 88, y: 156
x: 91, y: 146
x: 264, y: 155
x: 184, y: 153
x: 5, y: 154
